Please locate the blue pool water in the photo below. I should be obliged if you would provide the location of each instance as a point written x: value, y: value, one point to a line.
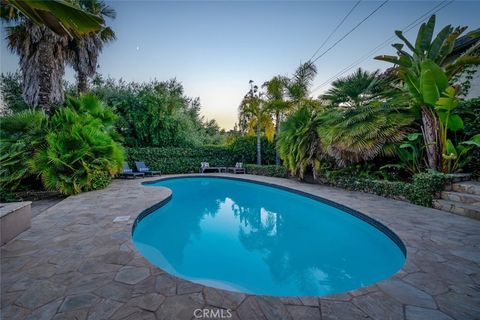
x: 258, y: 239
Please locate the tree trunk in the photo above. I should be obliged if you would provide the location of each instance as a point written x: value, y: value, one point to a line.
x: 42, y: 62
x: 430, y: 136
x: 259, y: 145
x: 277, y: 129
x: 44, y: 77
x: 82, y: 82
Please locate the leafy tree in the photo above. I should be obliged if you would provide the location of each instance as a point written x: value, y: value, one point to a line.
x: 355, y: 90
x: 156, y: 114
x: 426, y: 71
x: 299, y: 142
x: 11, y: 93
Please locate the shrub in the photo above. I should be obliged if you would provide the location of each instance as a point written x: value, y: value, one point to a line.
x: 420, y: 191
x: 425, y: 186
x: 268, y: 170
x: 21, y: 134
x: 99, y: 180
x: 469, y: 111
x: 79, y: 144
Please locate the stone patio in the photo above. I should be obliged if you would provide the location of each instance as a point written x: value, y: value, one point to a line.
x: 76, y: 263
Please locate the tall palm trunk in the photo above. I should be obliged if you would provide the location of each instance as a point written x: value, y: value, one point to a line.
x: 259, y: 145
x: 277, y: 129
x: 430, y: 135
x: 82, y: 82
x: 42, y: 62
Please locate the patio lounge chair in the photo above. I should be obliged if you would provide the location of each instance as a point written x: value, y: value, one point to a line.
x: 205, y: 166
x: 127, y: 172
x: 141, y: 167
x: 237, y: 169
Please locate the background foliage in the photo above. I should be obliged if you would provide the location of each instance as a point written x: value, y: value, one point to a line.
x: 156, y: 114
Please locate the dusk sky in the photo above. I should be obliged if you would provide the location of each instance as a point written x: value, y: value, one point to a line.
x: 215, y: 48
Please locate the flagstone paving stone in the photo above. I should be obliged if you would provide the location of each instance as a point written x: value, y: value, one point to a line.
x: 76, y: 263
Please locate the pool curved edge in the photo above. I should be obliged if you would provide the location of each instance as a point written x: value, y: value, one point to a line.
x: 357, y: 214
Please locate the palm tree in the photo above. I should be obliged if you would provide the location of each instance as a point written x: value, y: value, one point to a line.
x: 42, y: 63
x: 360, y: 134
x: 354, y: 90
x: 299, y: 84
x: 275, y: 91
x: 257, y: 115
x: 84, y: 51
x: 299, y: 143
x: 39, y: 35
x: 430, y: 58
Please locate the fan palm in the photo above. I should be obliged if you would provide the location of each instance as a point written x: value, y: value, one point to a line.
x: 355, y: 90
x: 79, y: 146
x: 21, y: 134
x: 83, y: 51
x: 363, y: 133
x: 299, y: 142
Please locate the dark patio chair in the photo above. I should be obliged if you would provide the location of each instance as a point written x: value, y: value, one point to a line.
x: 127, y: 172
x: 141, y: 167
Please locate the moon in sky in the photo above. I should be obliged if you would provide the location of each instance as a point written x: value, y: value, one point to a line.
x: 138, y: 48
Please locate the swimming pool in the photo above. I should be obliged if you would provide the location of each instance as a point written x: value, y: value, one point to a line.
x: 258, y: 239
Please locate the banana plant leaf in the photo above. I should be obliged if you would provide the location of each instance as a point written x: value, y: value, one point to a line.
x: 60, y: 16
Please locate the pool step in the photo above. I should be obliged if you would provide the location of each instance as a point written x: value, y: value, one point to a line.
x: 471, y: 187
x: 471, y: 210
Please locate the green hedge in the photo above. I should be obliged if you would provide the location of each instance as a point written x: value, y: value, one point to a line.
x: 268, y: 170
x: 421, y: 190
x: 245, y: 150
x: 181, y: 160
x: 188, y: 159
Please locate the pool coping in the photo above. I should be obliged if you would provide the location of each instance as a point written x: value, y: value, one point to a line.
x: 357, y: 214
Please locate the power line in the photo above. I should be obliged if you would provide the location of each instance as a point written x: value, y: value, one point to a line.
x: 407, y: 28
x: 351, y: 30
x: 336, y: 28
